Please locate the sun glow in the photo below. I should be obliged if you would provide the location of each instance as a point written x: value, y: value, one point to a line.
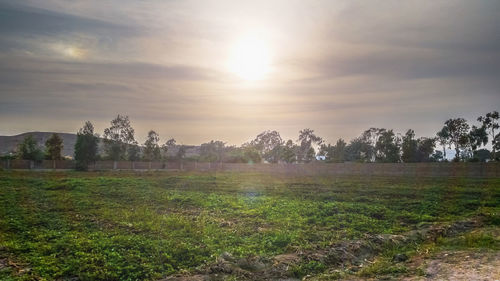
x: 250, y: 59
x: 69, y: 51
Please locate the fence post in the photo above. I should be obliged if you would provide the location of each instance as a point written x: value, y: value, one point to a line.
x: 115, y: 164
x: 8, y: 164
x: 182, y: 165
x: 32, y: 164
x: 53, y: 164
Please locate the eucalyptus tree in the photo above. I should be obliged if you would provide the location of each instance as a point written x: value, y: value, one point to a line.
x: 54, y: 146
x: 119, y: 138
x: 418, y: 150
x: 307, y: 141
x: 86, y: 146
x: 425, y: 149
x: 269, y: 144
x: 212, y: 151
x: 409, y: 147
x: 151, y: 146
x: 29, y: 149
x: 387, y: 147
x: 443, y: 137
x: 334, y: 153
x: 490, y: 124
x: 359, y: 150
x: 169, y: 144
x: 458, y: 130
x: 369, y: 139
x: 289, y: 152
x: 478, y: 136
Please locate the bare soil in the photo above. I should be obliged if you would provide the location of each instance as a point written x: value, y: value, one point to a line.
x: 461, y: 265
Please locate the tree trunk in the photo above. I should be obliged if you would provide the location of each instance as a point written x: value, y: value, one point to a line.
x: 493, y: 144
x: 457, y: 152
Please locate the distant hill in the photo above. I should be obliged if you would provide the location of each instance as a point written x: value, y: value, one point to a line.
x: 9, y: 144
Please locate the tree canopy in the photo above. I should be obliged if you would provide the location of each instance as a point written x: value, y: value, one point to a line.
x: 54, y: 146
x: 86, y: 146
x: 28, y: 149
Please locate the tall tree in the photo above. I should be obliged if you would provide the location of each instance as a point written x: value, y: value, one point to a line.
x: 387, y: 147
x: 268, y: 143
x: 212, y: 151
x: 370, y: 139
x: 151, y: 146
x: 359, y: 150
x: 490, y: 124
x: 409, y: 147
x: 425, y: 149
x: 118, y: 138
x: 334, y: 153
x: 478, y: 136
x: 339, y: 151
x: 443, y: 137
x: 28, y: 149
x: 86, y: 146
x: 166, y: 147
x: 288, y: 152
x: 307, y: 141
x: 54, y: 146
x: 458, y: 130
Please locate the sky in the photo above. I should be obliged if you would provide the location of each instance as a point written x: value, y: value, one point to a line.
x: 228, y: 70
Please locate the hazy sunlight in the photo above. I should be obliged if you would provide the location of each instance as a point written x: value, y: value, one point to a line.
x: 250, y: 59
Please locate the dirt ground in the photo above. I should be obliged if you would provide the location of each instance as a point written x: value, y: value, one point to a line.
x: 460, y: 265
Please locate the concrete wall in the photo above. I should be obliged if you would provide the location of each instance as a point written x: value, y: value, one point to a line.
x: 478, y: 170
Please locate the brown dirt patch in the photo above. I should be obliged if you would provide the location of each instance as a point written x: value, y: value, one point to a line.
x: 461, y: 265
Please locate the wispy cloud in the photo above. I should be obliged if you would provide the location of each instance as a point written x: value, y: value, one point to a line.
x: 339, y: 66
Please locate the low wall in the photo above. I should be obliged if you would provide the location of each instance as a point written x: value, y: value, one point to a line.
x: 449, y: 169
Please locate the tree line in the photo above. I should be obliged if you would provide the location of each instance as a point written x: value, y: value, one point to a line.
x: 373, y: 145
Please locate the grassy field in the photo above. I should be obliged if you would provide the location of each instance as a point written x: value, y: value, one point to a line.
x: 145, y: 226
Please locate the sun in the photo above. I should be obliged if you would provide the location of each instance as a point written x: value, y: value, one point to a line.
x: 250, y: 59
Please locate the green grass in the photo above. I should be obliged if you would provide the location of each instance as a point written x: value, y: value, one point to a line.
x: 144, y: 226
x: 485, y: 238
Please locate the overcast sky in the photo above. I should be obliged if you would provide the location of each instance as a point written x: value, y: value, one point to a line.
x: 338, y: 67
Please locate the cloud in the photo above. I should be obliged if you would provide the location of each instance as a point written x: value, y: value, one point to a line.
x: 22, y: 68
x: 340, y: 66
x: 404, y: 64
x: 20, y: 20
